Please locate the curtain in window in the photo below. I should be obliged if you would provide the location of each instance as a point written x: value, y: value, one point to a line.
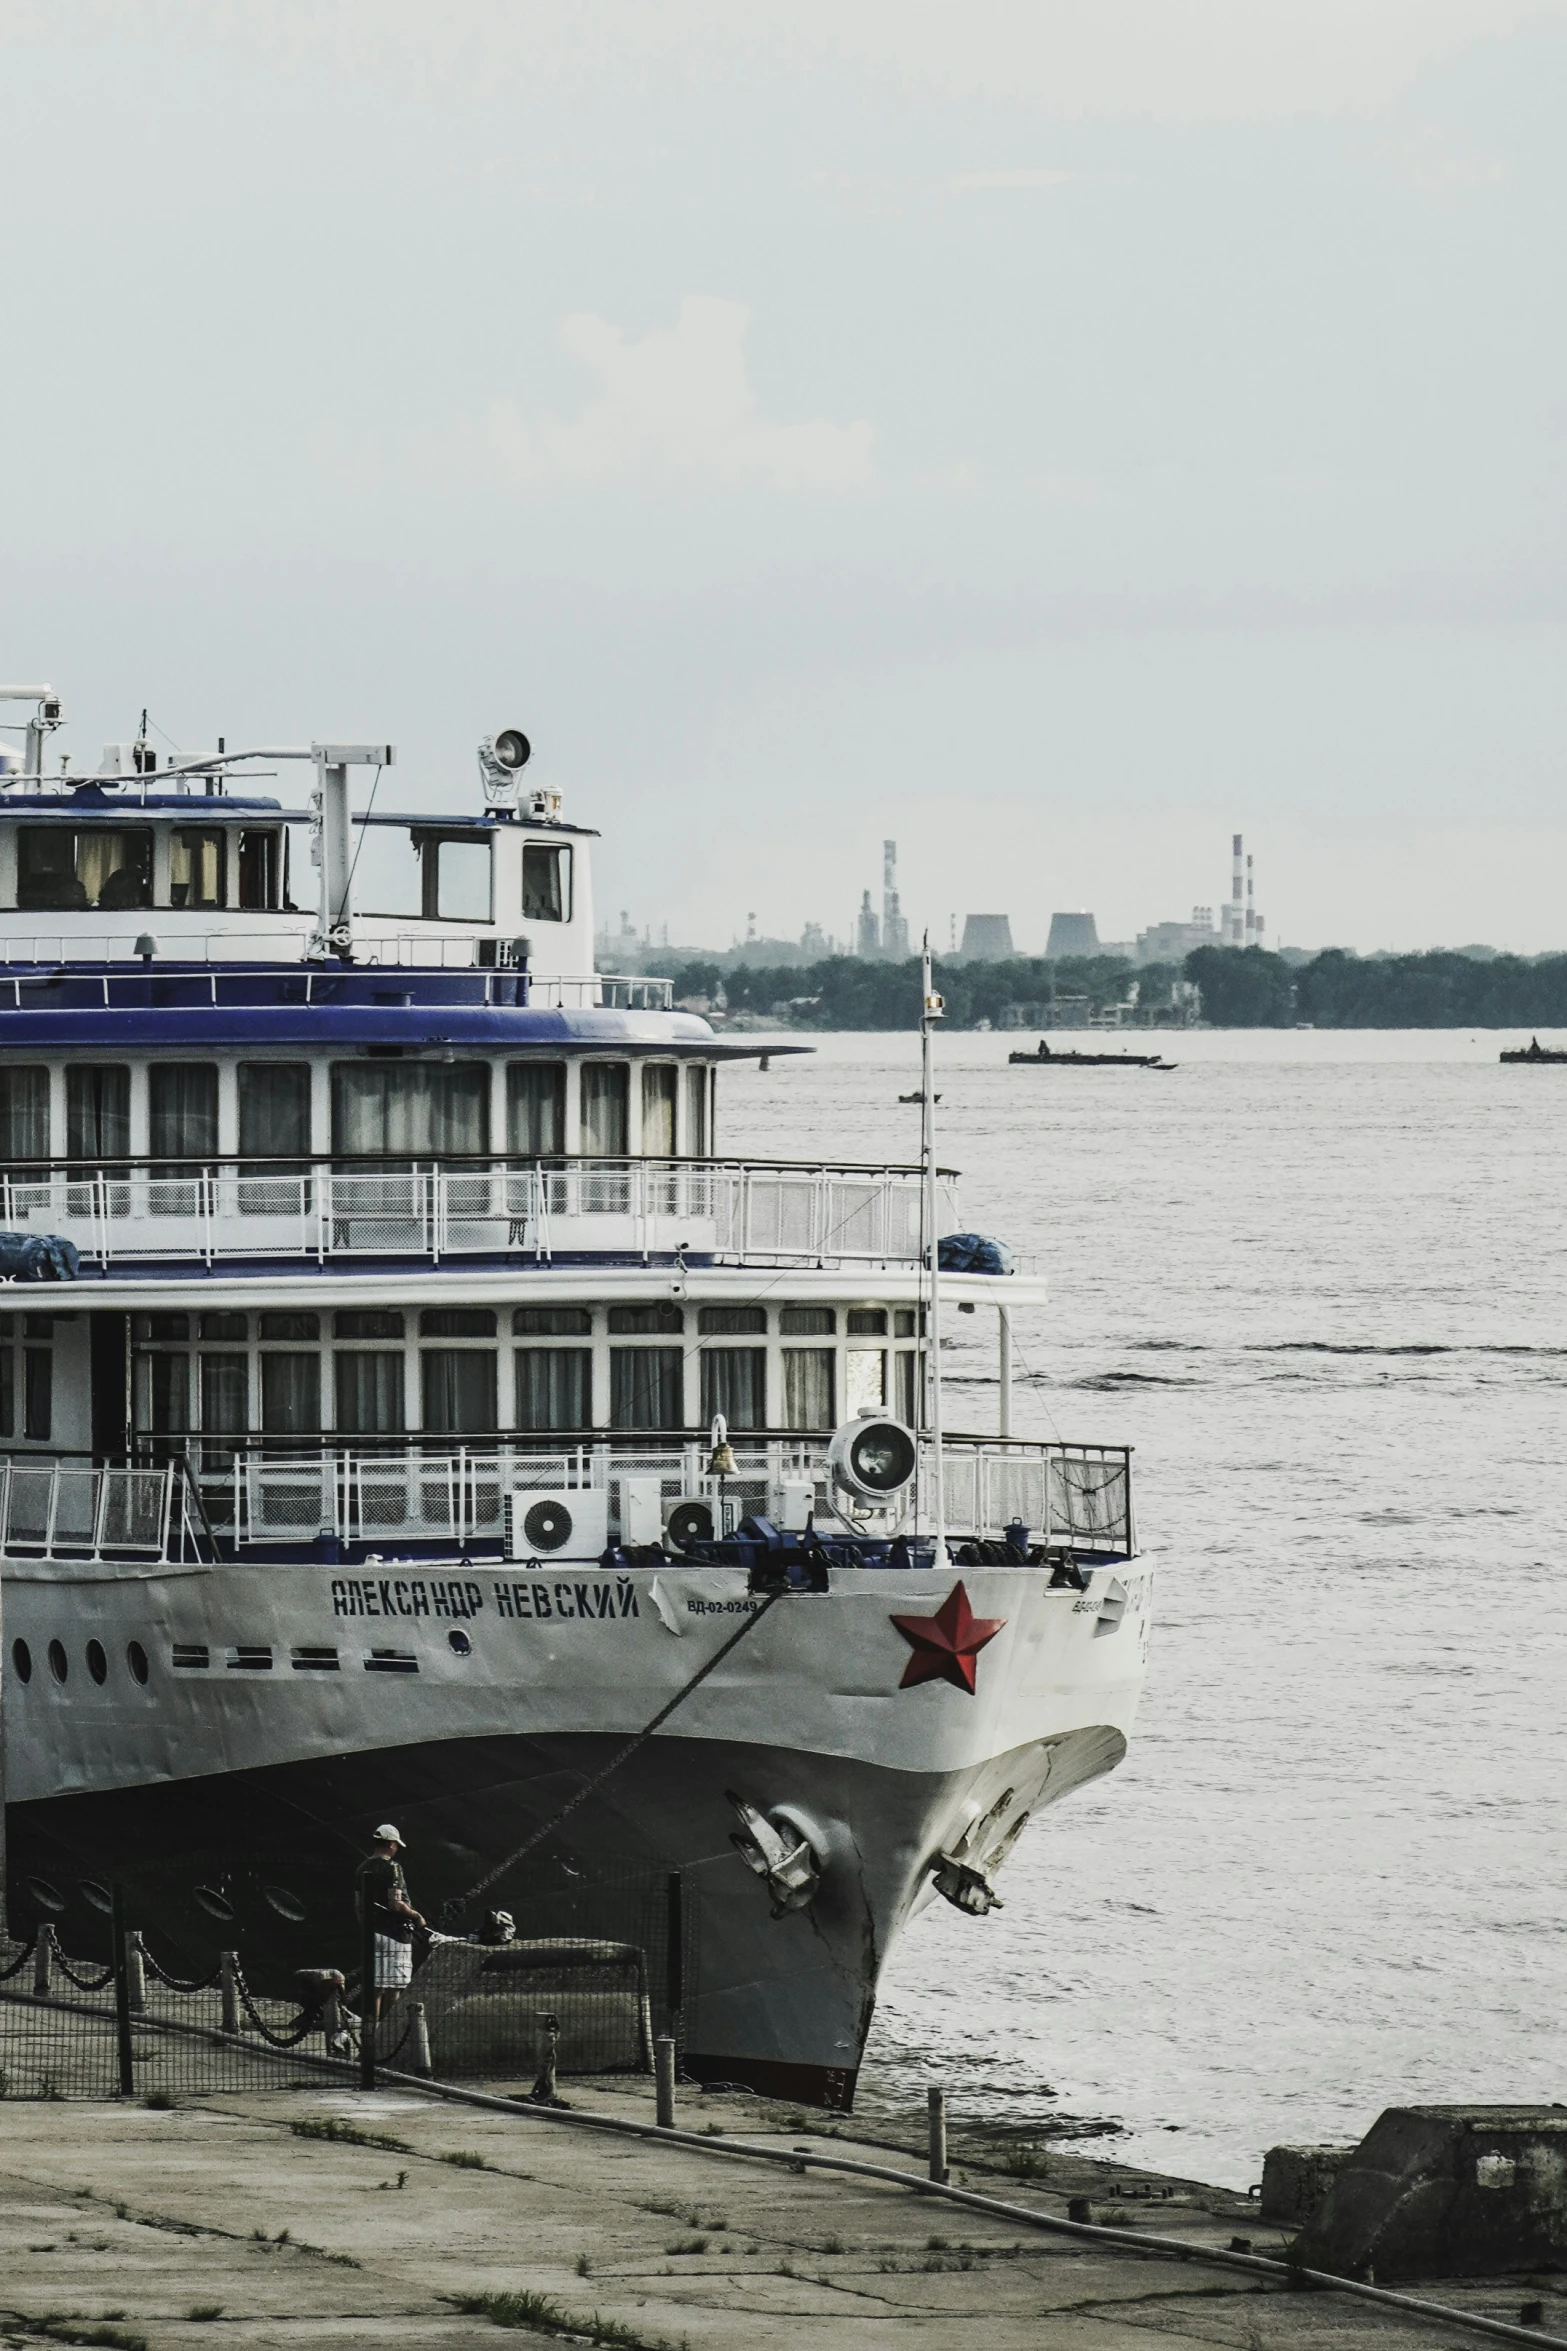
x: 274, y: 1109
x: 536, y: 1108
x: 369, y: 1394
x: 808, y: 1388
x: 554, y: 1388
x: 291, y: 1395
x: 644, y: 1387
x: 163, y: 1394
x: 659, y: 1079
x: 734, y: 1382
x: 606, y: 1104
x: 97, y: 1112
x: 115, y: 869
x: 410, y: 1112
x: 225, y: 1394
x: 546, y: 883
x: 697, y: 1140
x: 458, y: 1389
x: 182, y: 1110
x: 195, y: 868
x: 38, y: 1395
x: 24, y: 1114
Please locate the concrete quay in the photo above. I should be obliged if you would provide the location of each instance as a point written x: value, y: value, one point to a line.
x: 321, y: 2219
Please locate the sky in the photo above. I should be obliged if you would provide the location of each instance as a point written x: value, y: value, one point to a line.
x: 1054, y: 433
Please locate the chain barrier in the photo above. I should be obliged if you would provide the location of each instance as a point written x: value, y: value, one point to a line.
x: 305, y: 2024
x: 83, y: 1983
x: 176, y: 1983
x: 16, y: 1965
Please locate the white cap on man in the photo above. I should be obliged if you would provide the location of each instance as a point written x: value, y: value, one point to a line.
x: 387, y: 1835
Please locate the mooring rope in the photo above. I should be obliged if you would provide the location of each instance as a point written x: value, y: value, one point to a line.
x: 454, y: 1907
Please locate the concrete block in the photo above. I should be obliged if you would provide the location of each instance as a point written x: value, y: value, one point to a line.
x: 1295, y: 2180
x: 1446, y: 2191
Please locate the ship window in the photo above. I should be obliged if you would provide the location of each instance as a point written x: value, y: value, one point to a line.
x: 64, y: 871
x: 808, y: 1381
x: 22, y: 1659
x: 24, y: 1114
x: 384, y: 1111
x: 696, y: 1113
x: 368, y: 1322
x: 552, y: 1322
x: 867, y: 1322
x: 546, y: 883
x: 98, y: 1111
x: 163, y: 1393
x: 906, y: 1367
x: 369, y: 1389
x: 865, y: 1380
x: 38, y: 1394
x: 97, y: 1663
x: 659, y: 1080
x: 195, y: 868
x: 807, y: 1322
x: 714, y: 1320
x: 274, y: 1109
x: 182, y: 1106
x: 904, y: 1321
x: 386, y: 873
x: 7, y: 1390
x: 258, y: 868
x: 59, y: 1663
x: 225, y: 1392
x: 224, y: 1326
x: 646, y: 1321
x: 290, y: 1394
x: 536, y: 1108
x: 554, y: 1388
x: 457, y: 1322
x: 734, y: 1382
x: 136, y: 1659
x: 457, y: 880
x: 163, y: 1329
x: 644, y: 1387
x: 291, y: 1326
x: 458, y: 1389
x: 606, y: 1103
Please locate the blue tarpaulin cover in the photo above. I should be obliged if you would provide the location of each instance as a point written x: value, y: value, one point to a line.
x: 972, y: 1253
x: 37, y: 1257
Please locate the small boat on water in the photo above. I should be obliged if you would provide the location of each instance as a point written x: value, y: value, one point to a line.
x: 917, y: 1097
x: 1045, y: 1059
x: 1533, y: 1051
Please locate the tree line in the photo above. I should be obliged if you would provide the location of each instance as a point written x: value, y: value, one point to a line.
x: 1250, y: 989
x: 852, y: 992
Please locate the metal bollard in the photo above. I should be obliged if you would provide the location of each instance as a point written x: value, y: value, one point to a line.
x: 544, y: 2091
x: 664, y: 2076
x: 228, y: 1978
x: 332, y: 2021
x: 419, y: 2060
x: 936, y: 2101
x: 43, y: 1954
x: 136, y: 1972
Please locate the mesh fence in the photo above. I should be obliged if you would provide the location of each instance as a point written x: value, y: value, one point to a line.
x: 596, y: 1976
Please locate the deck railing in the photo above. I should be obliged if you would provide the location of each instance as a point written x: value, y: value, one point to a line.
x: 289, y: 942
x: 733, y: 1210
x: 249, y: 1496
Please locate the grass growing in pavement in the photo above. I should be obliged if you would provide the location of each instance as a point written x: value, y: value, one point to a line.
x: 549, y: 2317
x: 347, y: 2134
x: 56, y: 2329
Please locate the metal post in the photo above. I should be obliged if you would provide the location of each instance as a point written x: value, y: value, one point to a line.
x: 420, y: 2061
x: 1004, y: 1366
x: 228, y: 1976
x: 136, y: 1972
x: 545, y: 2091
x: 936, y: 2101
x: 664, y: 2077
x: 43, y: 1952
x: 122, y: 1989
x: 931, y: 1010
x: 367, y: 1996
x: 332, y: 2021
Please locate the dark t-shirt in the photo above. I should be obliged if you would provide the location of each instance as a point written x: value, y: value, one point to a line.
x: 378, y: 1878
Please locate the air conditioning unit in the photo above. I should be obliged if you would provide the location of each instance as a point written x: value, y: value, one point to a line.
x: 692, y: 1518
x: 544, y: 1524
x: 641, y: 1510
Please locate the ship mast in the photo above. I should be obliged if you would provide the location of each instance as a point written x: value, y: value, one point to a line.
x: 931, y: 1010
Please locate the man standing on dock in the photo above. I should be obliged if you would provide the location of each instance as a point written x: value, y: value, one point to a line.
x: 380, y: 1883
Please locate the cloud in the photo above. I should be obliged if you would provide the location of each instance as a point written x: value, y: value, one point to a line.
x: 675, y: 407
x: 964, y: 183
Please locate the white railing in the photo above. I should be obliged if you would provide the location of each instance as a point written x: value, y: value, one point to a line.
x: 1072, y: 1497
x: 639, y: 1208
x: 288, y: 940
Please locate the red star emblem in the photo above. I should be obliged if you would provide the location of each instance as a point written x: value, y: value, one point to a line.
x: 945, y: 1645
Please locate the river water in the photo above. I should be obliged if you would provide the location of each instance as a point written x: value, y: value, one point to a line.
x: 1318, y: 1281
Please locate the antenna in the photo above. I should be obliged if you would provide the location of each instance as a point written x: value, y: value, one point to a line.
x: 931, y: 1010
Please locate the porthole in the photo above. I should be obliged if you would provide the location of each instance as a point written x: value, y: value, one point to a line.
x: 136, y: 1659
x: 98, y: 1897
x: 461, y: 1645
x: 286, y: 1905
x: 97, y: 1663
x: 46, y: 1896
x: 215, y: 1905
x: 59, y: 1663
x: 22, y: 1659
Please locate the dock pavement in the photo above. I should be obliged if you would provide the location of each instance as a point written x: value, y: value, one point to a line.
x: 322, y: 2219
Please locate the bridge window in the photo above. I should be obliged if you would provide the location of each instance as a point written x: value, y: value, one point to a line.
x: 62, y: 871
x: 24, y: 1114
x: 195, y: 868
x: 457, y: 880
x: 734, y: 1382
x: 546, y: 882
x: 410, y: 1110
x: 258, y: 867
x: 659, y: 1082
x: 536, y: 1108
x: 697, y: 1125
x: 606, y: 1109
x: 644, y: 1387
x: 554, y: 1388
